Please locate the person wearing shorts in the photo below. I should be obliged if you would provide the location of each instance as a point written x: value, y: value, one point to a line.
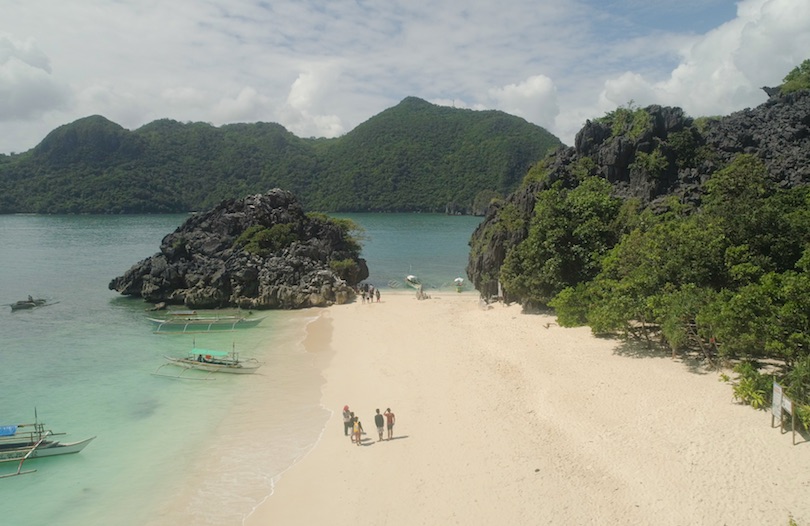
x: 390, y: 419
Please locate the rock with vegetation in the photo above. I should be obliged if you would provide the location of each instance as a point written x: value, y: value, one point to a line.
x: 259, y: 252
x: 692, y: 235
x: 650, y: 156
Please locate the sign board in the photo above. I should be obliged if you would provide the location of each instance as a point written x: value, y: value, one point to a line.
x: 776, y: 405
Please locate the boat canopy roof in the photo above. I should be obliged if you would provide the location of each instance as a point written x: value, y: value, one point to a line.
x: 205, y: 352
x: 7, y: 431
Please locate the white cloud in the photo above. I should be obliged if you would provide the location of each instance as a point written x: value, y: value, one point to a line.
x: 248, y: 105
x: 185, y: 97
x: 723, y: 70
x: 305, y: 111
x: 321, y: 68
x: 534, y: 99
x: 27, y: 88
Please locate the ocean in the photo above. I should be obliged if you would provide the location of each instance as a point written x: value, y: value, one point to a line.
x: 166, y: 451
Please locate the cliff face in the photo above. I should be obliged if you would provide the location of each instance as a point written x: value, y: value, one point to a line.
x: 649, y: 155
x: 205, y: 263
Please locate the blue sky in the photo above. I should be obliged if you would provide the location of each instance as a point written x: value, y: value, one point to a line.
x: 320, y: 68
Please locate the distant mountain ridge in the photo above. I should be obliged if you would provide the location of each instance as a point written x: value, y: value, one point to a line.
x: 415, y: 156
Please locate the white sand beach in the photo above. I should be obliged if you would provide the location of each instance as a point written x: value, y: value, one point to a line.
x: 507, y: 418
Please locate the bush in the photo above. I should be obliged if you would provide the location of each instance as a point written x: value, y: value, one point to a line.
x: 797, y: 79
x: 264, y: 241
x: 752, y: 387
x: 346, y: 269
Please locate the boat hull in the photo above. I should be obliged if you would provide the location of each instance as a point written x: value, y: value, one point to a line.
x: 230, y: 368
x: 186, y: 326
x: 47, y: 448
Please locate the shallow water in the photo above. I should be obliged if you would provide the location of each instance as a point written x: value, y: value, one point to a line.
x: 166, y: 450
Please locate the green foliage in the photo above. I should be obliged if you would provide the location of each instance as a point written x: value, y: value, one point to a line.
x: 483, y: 200
x: 537, y: 173
x: 572, y: 306
x: 264, y: 241
x: 413, y: 157
x: 352, y: 233
x: 628, y: 120
x: 583, y: 168
x: 752, y: 387
x: 702, y: 123
x: 797, y: 382
x: 803, y: 415
x: 653, y: 164
x: 510, y: 220
x: 686, y: 145
x: 797, y: 79
x: 346, y: 269
x: 569, y: 233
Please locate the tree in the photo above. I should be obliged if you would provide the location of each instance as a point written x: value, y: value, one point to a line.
x: 570, y: 232
x: 797, y: 79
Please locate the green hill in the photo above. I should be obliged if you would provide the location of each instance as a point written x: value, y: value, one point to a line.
x: 413, y: 157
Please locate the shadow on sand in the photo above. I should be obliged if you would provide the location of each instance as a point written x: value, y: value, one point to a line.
x: 369, y: 441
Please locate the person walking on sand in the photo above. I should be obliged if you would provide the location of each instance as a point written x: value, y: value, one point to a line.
x: 377, y: 293
x: 351, y: 425
x: 358, y: 430
x: 390, y: 419
x: 347, y: 420
x: 380, y: 421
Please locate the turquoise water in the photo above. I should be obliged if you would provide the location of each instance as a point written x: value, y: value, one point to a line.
x: 429, y: 246
x: 205, y: 452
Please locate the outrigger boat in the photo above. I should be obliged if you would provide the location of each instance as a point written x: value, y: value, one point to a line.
x: 210, y: 362
x: 416, y: 283
x: 185, y: 322
x: 18, y: 445
x: 413, y: 281
x: 30, y: 303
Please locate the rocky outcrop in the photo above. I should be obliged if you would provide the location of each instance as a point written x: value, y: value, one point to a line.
x: 205, y: 263
x: 651, y: 158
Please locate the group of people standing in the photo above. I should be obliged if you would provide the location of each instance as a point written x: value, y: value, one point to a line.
x: 368, y: 291
x: 351, y: 422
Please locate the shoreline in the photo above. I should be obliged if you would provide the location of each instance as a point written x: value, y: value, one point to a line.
x: 316, y: 340
x: 504, y: 416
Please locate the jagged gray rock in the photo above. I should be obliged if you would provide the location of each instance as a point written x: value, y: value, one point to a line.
x: 777, y: 131
x: 200, y: 265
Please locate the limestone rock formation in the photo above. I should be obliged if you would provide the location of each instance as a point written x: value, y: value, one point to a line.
x: 205, y: 263
x: 670, y: 155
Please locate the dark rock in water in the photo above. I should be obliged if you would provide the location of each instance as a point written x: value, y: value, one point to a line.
x: 203, y: 265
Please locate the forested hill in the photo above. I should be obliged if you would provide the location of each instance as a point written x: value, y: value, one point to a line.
x: 415, y: 156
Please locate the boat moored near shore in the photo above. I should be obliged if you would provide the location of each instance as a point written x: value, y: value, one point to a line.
x: 184, y: 322
x: 210, y: 361
x: 22, y: 442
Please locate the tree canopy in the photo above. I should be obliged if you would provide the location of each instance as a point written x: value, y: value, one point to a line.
x: 413, y: 157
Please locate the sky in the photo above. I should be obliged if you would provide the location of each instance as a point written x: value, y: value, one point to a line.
x: 320, y: 68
